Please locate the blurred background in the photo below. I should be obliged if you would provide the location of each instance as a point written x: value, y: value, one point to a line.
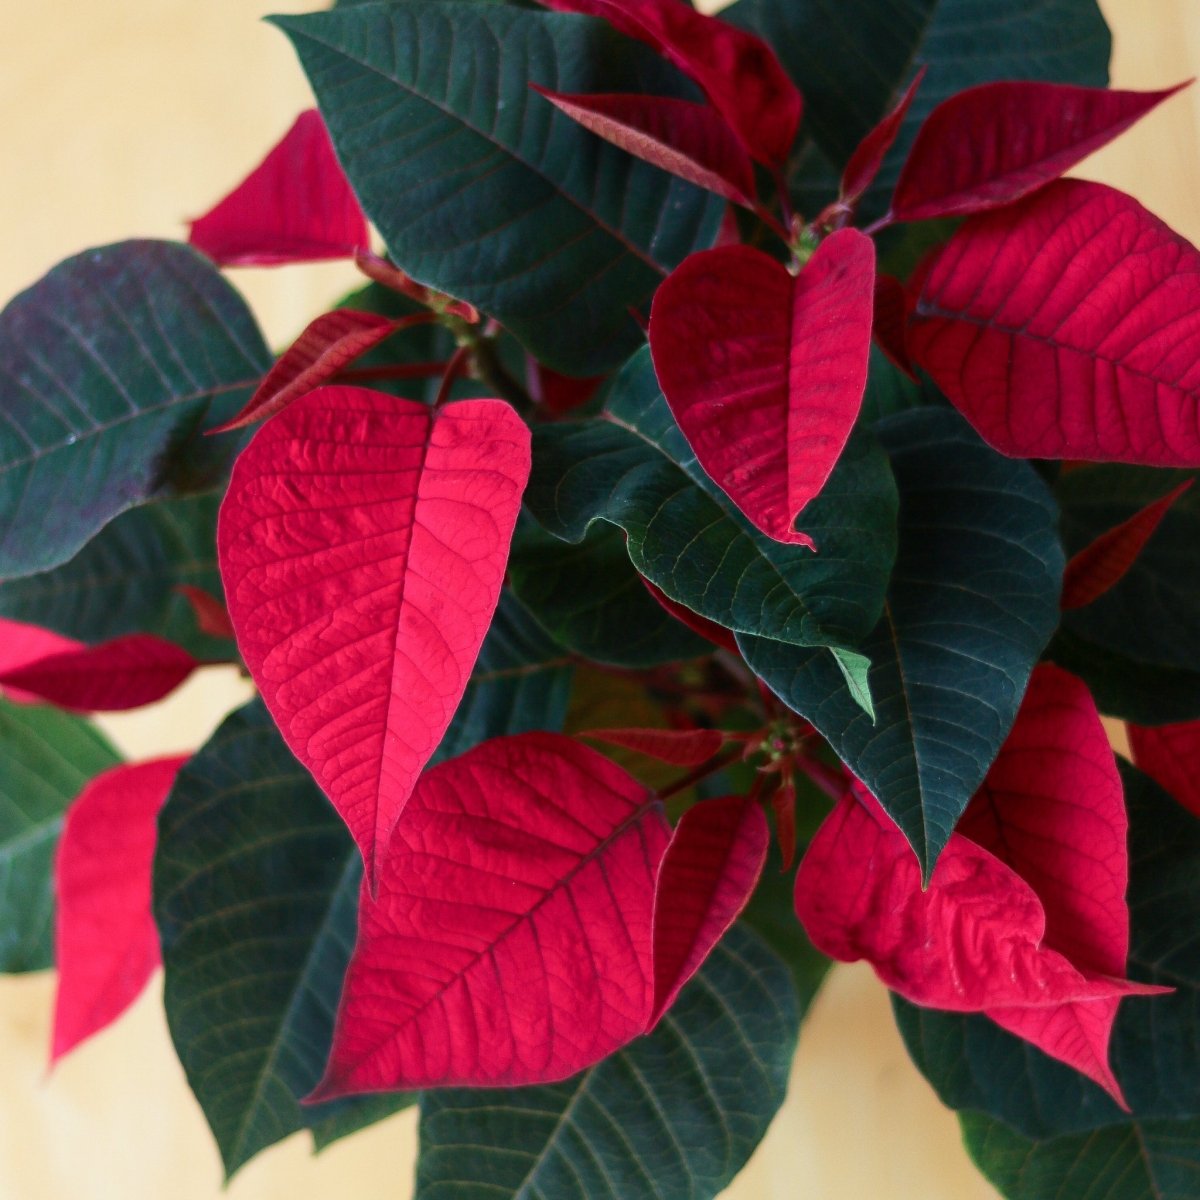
x: 121, y: 120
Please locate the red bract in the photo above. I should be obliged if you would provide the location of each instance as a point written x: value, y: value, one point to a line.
x: 890, y: 328
x: 212, y: 617
x: 680, y: 747
x: 1024, y: 918
x: 1170, y: 755
x: 993, y: 144
x: 707, y: 875
x: 295, y: 206
x: 765, y: 371
x: 511, y: 940
x: 105, y: 939
x: 126, y: 672
x: 689, y: 140
x: 737, y: 71
x: 327, y: 344
x: 1101, y: 565
x: 362, y: 545
x: 1068, y: 326
x: 720, y: 637
x: 22, y: 644
x: 866, y: 160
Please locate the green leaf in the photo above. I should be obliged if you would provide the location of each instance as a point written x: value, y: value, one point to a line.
x: 674, y: 1116
x: 633, y: 468
x: 123, y: 580
x: 889, y: 390
x: 972, y: 603
x: 591, y: 600
x: 46, y: 757
x: 856, y: 671
x: 1039, y: 1110
x: 482, y: 188
x: 853, y: 58
x: 256, y: 888
x: 111, y: 365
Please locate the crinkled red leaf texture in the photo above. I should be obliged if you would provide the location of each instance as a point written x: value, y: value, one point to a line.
x: 736, y: 70
x: 765, y: 371
x: 1068, y: 326
x: 1024, y: 918
x: 126, y: 672
x: 295, y: 206
x: 362, y: 545
x: 105, y: 939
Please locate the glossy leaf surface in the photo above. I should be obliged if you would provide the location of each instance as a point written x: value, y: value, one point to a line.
x: 634, y: 469
x: 46, y: 757
x: 127, y: 672
x: 694, y: 1098
x: 105, y: 939
x: 147, y: 343
x: 1068, y: 326
x: 362, y: 544
x: 951, y: 657
x: 710, y: 868
x: 482, y: 189
x: 680, y: 136
x: 295, y: 206
x: 993, y: 144
x: 764, y: 371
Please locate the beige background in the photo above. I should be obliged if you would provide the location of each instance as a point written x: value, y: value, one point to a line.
x: 121, y: 117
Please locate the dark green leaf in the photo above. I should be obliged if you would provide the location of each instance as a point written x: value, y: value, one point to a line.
x: 853, y: 58
x: 256, y: 890
x: 672, y: 1117
x: 123, y: 580
x: 482, y: 188
x: 592, y: 600
x: 46, y: 757
x: 972, y: 602
x: 110, y: 366
x: 889, y: 390
x: 632, y: 468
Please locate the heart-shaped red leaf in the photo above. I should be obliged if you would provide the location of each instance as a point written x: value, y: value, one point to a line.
x: 105, y: 939
x: 1102, y: 564
x: 327, y: 344
x: 22, y: 644
x: 706, y: 877
x: 687, y: 139
x: 362, y: 544
x: 993, y: 144
x: 126, y: 672
x: 1068, y: 326
x: 679, y: 747
x: 1170, y: 755
x: 295, y: 206
x: 866, y: 160
x: 736, y: 70
x: 511, y: 939
x: 765, y: 371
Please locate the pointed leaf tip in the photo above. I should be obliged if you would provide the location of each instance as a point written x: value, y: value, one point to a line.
x: 362, y: 545
x: 765, y: 372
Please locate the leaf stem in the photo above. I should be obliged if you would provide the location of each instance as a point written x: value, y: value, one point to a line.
x: 417, y: 370
x: 702, y: 772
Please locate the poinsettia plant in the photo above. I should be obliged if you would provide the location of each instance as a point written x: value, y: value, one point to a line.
x: 701, y: 549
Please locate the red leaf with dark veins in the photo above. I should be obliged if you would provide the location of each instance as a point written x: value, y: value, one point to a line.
x: 1102, y: 564
x: 362, y: 545
x: 22, y: 644
x: 866, y: 160
x: 1068, y: 326
x: 890, y: 328
x: 680, y: 747
x: 105, y: 939
x: 331, y: 342
x: 706, y: 878
x: 765, y: 371
x: 123, y: 673
x: 511, y: 941
x: 720, y: 637
x: 687, y: 139
x: 1170, y: 755
x: 990, y: 145
x: 295, y: 206
x: 736, y: 70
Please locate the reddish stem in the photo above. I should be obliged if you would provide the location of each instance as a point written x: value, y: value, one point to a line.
x: 454, y: 368
x: 693, y: 777
x: 417, y: 370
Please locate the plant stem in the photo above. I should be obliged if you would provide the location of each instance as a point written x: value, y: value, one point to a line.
x: 703, y: 772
